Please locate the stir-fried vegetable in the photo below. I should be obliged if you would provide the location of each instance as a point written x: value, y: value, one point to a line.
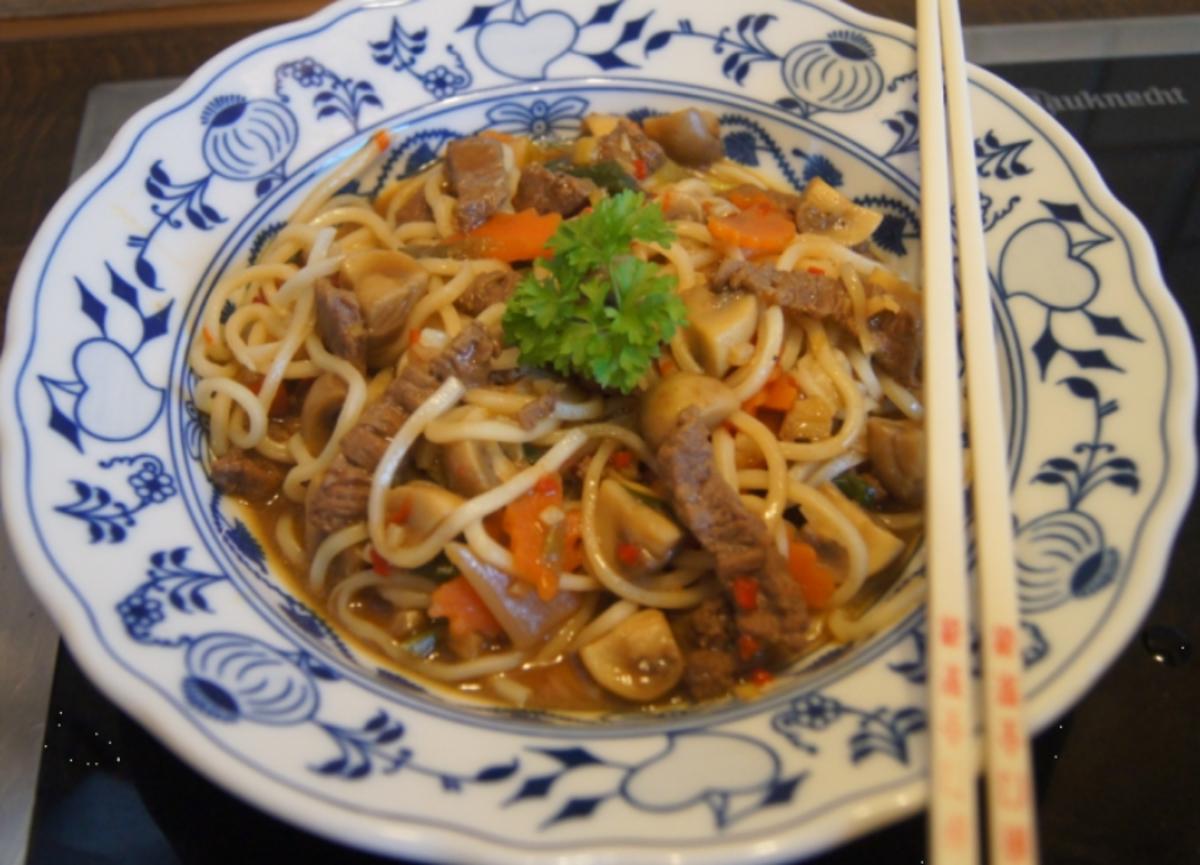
x: 544, y: 539
x: 457, y: 602
x: 516, y: 236
x: 858, y: 489
x: 777, y: 394
x: 814, y: 578
x: 758, y: 228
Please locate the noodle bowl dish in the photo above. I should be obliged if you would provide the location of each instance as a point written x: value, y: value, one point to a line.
x: 500, y: 430
x: 578, y: 424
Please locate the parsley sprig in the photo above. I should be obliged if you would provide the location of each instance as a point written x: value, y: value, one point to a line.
x: 600, y: 312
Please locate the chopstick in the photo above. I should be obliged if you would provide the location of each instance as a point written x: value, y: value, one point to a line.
x: 1012, y: 831
x: 953, y: 826
x: 1012, y: 835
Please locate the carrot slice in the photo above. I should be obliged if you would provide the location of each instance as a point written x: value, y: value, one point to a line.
x: 516, y: 236
x: 458, y: 602
x: 758, y: 228
x: 777, y: 394
x: 747, y: 197
x: 528, y: 535
x: 814, y: 578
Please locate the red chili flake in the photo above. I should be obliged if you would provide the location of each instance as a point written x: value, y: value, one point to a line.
x: 639, y: 169
x: 400, y: 517
x: 816, y: 271
x: 379, y: 564
x: 745, y: 593
x: 629, y: 554
x: 547, y: 485
x: 382, y: 140
x: 622, y: 459
x: 747, y: 646
x: 759, y: 676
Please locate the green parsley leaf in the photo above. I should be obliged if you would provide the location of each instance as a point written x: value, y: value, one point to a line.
x: 601, y: 313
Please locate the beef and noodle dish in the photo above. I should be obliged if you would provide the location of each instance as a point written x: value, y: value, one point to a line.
x: 609, y: 423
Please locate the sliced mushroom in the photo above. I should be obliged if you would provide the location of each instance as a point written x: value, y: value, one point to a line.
x: 320, y: 410
x: 388, y: 284
x: 470, y: 469
x: 882, y: 545
x: 824, y: 210
x: 664, y: 402
x: 897, y: 449
x: 691, y: 137
x: 716, y: 324
x: 526, y: 618
x: 424, y: 505
x: 809, y: 419
x: 638, y: 660
x: 623, y: 518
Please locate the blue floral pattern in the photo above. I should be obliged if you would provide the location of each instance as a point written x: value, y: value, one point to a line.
x: 110, y: 519
x: 539, y: 118
x: 335, y: 97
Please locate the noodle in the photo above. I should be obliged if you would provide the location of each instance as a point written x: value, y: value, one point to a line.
x: 478, y: 517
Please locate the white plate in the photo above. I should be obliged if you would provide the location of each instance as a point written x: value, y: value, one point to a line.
x: 162, y: 592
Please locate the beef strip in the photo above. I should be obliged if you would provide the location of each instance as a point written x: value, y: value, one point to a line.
x: 708, y: 637
x: 780, y: 621
x: 739, y: 540
x: 247, y: 475
x: 811, y: 294
x: 475, y: 169
x: 489, y: 287
x: 898, y: 344
x: 364, y: 444
x: 549, y: 191
x: 415, y: 209
x: 709, y: 673
x: 533, y: 413
x: 340, y: 323
x: 629, y: 145
x: 897, y: 333
x: 708, y: 506
x: 338, y: 498
x: 467, y: 358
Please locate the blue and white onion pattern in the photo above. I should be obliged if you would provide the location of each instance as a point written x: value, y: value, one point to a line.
x: 233, y: 677
x: 837, y: 73
x: 1061, y: 555
x: 248, y: 139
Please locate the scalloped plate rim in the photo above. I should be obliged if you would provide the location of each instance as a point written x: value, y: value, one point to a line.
x: 128, y: 688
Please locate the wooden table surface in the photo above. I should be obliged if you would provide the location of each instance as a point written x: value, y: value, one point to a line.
x: 48, y: 65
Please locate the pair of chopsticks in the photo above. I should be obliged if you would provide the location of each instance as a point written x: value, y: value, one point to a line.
x: 953, y: 822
